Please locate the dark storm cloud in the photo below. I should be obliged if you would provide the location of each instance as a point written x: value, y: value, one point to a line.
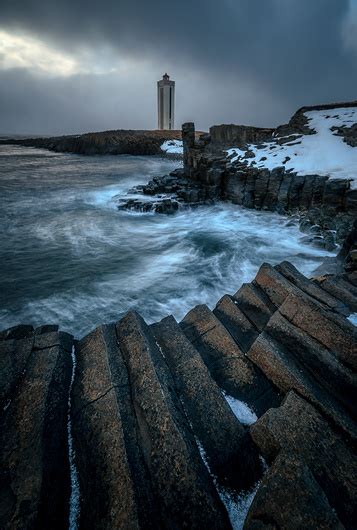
x: 272, y: 55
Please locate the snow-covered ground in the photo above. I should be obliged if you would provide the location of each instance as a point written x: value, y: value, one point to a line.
x: 323, y: 153
x: 172, y: 147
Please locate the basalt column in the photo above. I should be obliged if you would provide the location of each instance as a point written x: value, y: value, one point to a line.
x: 188, y: 139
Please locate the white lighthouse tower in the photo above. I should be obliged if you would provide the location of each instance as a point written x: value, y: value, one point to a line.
x: 166, y: 103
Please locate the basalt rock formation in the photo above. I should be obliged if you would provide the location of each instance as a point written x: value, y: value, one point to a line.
x: 35, y: 475
x: 118, y: 142
x: 165, y: 194
x: 159, y: 414
x: 327, y: 206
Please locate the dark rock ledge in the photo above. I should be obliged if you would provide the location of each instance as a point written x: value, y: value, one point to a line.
x: 117, y: 142
x: 166, y: 194
x: 156, y: 441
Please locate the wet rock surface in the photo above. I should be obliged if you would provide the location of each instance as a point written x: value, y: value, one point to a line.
x: 229, y: 452
x: 290, y: 497
x: 169, y: 418
x: 297, y: 427
x: 166, y: 194
x: 35, y: 478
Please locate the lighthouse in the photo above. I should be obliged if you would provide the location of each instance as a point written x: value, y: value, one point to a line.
x: 166, y: 103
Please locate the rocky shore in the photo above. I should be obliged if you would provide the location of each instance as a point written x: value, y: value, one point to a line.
x: 240, y: 416
x: 241, y: 164
x: 237, y: 163
x: 174, y: 424
x: 119, y: 142
x: 165, y: 194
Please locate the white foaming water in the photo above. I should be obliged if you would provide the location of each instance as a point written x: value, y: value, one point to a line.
x: 353, y: 318
x: 104, y: 197
x: 70, y: 257
x: 172, y: 147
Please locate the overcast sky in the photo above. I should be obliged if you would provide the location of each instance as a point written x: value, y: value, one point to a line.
x: 70, y: 66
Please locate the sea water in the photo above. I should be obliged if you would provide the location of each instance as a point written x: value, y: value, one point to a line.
x: 69, y: 256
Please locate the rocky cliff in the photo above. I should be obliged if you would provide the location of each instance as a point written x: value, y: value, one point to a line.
x: 179, y: 425
x: 117, y: 142
x: 307, y: 166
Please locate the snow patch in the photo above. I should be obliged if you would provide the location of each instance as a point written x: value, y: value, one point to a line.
x: 236, y: 504
x: 324, y: 153
x: 242, y: 412
x: 75, y: 495
x: 172, y: 147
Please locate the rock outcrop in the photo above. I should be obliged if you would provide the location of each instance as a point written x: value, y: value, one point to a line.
x: 165, y: 194
x: 325, y: 205
x: 227, y: 168
x: 291, y: 497
x: 297, y: 428
x: 118, y: 142
x: 171, y: 421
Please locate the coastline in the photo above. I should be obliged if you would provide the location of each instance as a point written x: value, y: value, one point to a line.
x: 241, y: 398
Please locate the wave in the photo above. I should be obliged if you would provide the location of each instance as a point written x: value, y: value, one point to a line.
x: 70, y: 257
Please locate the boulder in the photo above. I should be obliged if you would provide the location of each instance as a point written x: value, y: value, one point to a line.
x: 290, y: 498
x: 285, y: 371
x: 298, y: 428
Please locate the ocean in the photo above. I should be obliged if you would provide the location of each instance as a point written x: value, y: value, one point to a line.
x: 70, y: 257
